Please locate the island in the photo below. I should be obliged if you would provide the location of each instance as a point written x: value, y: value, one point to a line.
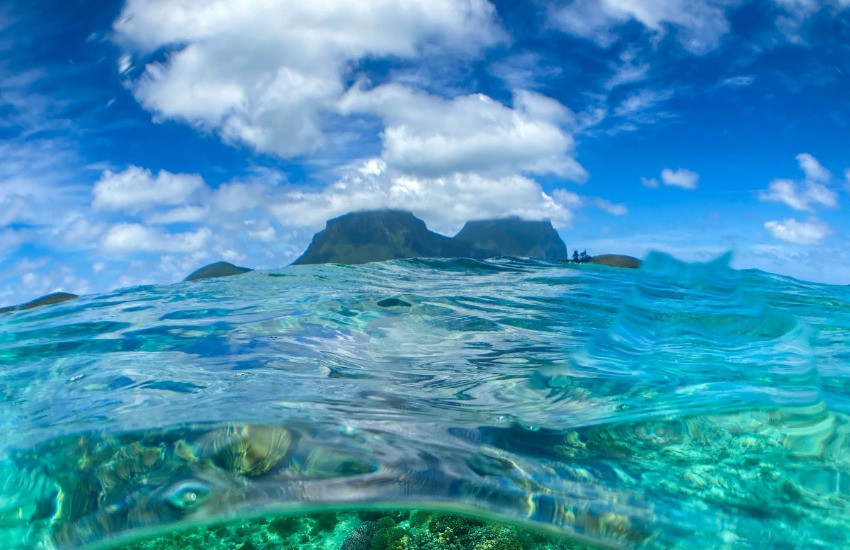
x: 379, y: 235
x: 513, y: 236
x: 616, y: 260
x: 215, y: 270
x: 54, y: 298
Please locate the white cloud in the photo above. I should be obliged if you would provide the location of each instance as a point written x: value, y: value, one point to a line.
x: 636, y: 105
x: 136, y: 189
x: 80, y: 232
x: 847, y: 179
x: 265, y: 73
x: 524, y: 71
x: 813, y: 169
x: 797, y: 232
x: 803, y: 195
x: 699, y: 24
x: 444, y: 202
x: 37, y: 182
x: 652, y: 183
x: 628, y: 71
x: 680, y: 178
x: 567, y: 198
x: 788, y: 192
x: 238, y: 196
x: 181, y: 214
x: 132, y: 237
x: 610, y: 207
x: 432, y: 137
x: 794, y: 16
x: 785, y: 191
x: 743, y: 81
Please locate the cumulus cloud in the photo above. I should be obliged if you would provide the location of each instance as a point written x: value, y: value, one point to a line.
x: 137, y: 189
x: 673, y: 178
x: 699, y: 24
x: 680, y: 178
x: 429, y: 136
x: 791, y: 230
x: 803, y: 195
x: 813, y: 169
x: 133, y: 237
x: 266, y: 73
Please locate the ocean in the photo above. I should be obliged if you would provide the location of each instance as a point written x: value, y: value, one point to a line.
x: 676, y: 406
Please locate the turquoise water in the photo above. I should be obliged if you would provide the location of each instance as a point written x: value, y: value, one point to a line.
x: 678, y: 406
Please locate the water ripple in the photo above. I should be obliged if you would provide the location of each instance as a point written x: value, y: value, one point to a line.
x: 682, y: 405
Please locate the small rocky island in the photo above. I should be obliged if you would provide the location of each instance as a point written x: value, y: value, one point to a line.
x: 216, y: 270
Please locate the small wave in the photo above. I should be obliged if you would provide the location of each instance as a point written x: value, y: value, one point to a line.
x: 679, y: 405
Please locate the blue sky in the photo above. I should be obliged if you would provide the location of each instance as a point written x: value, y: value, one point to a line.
x: 143, y: 139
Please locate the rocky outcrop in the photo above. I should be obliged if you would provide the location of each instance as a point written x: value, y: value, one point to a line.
x: 379, y: 235
x: 217, y: 269
x: 55, y: 298
x: 515, y: 237
x: 616, y: 260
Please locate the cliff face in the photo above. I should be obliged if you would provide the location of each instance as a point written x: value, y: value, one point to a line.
x: 374, y: 236
x: 515, y: 237
x: 215, y: 270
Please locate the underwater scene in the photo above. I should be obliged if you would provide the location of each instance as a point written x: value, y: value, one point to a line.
x: 429, y: 404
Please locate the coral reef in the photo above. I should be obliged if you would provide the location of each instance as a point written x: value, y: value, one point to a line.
x: 366, y: 530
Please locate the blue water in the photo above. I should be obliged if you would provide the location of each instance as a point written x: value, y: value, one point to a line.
x: 678, y: 406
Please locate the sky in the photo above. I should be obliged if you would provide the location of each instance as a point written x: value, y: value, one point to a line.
x: 141, y: 140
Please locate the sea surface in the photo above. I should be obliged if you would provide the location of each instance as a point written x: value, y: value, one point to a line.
x: 675, y: 406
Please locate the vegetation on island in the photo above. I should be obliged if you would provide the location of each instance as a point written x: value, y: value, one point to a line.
x: 514, y: 236
x: 379, y: 235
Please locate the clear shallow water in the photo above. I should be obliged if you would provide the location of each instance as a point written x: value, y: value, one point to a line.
x: 677, y: 406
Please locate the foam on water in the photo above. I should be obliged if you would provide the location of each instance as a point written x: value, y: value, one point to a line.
x: 681, y: 405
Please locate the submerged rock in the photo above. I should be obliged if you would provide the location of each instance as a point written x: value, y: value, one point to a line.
x: 379, y: 235
x: 54, y: 298
x: 393, y: 302
x: 514, y: 236
x: 215, y: 270
x: 616, y: 260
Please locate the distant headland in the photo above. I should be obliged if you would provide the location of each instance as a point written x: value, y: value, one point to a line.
x: 380, y: 235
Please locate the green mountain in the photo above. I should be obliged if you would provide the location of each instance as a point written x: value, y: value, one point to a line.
x: 54, y: 298
x: 217, y: 269
x: 514, y: 236
x: 378, y: 235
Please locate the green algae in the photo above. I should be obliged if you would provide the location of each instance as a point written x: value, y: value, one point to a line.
x: 392, y: 530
